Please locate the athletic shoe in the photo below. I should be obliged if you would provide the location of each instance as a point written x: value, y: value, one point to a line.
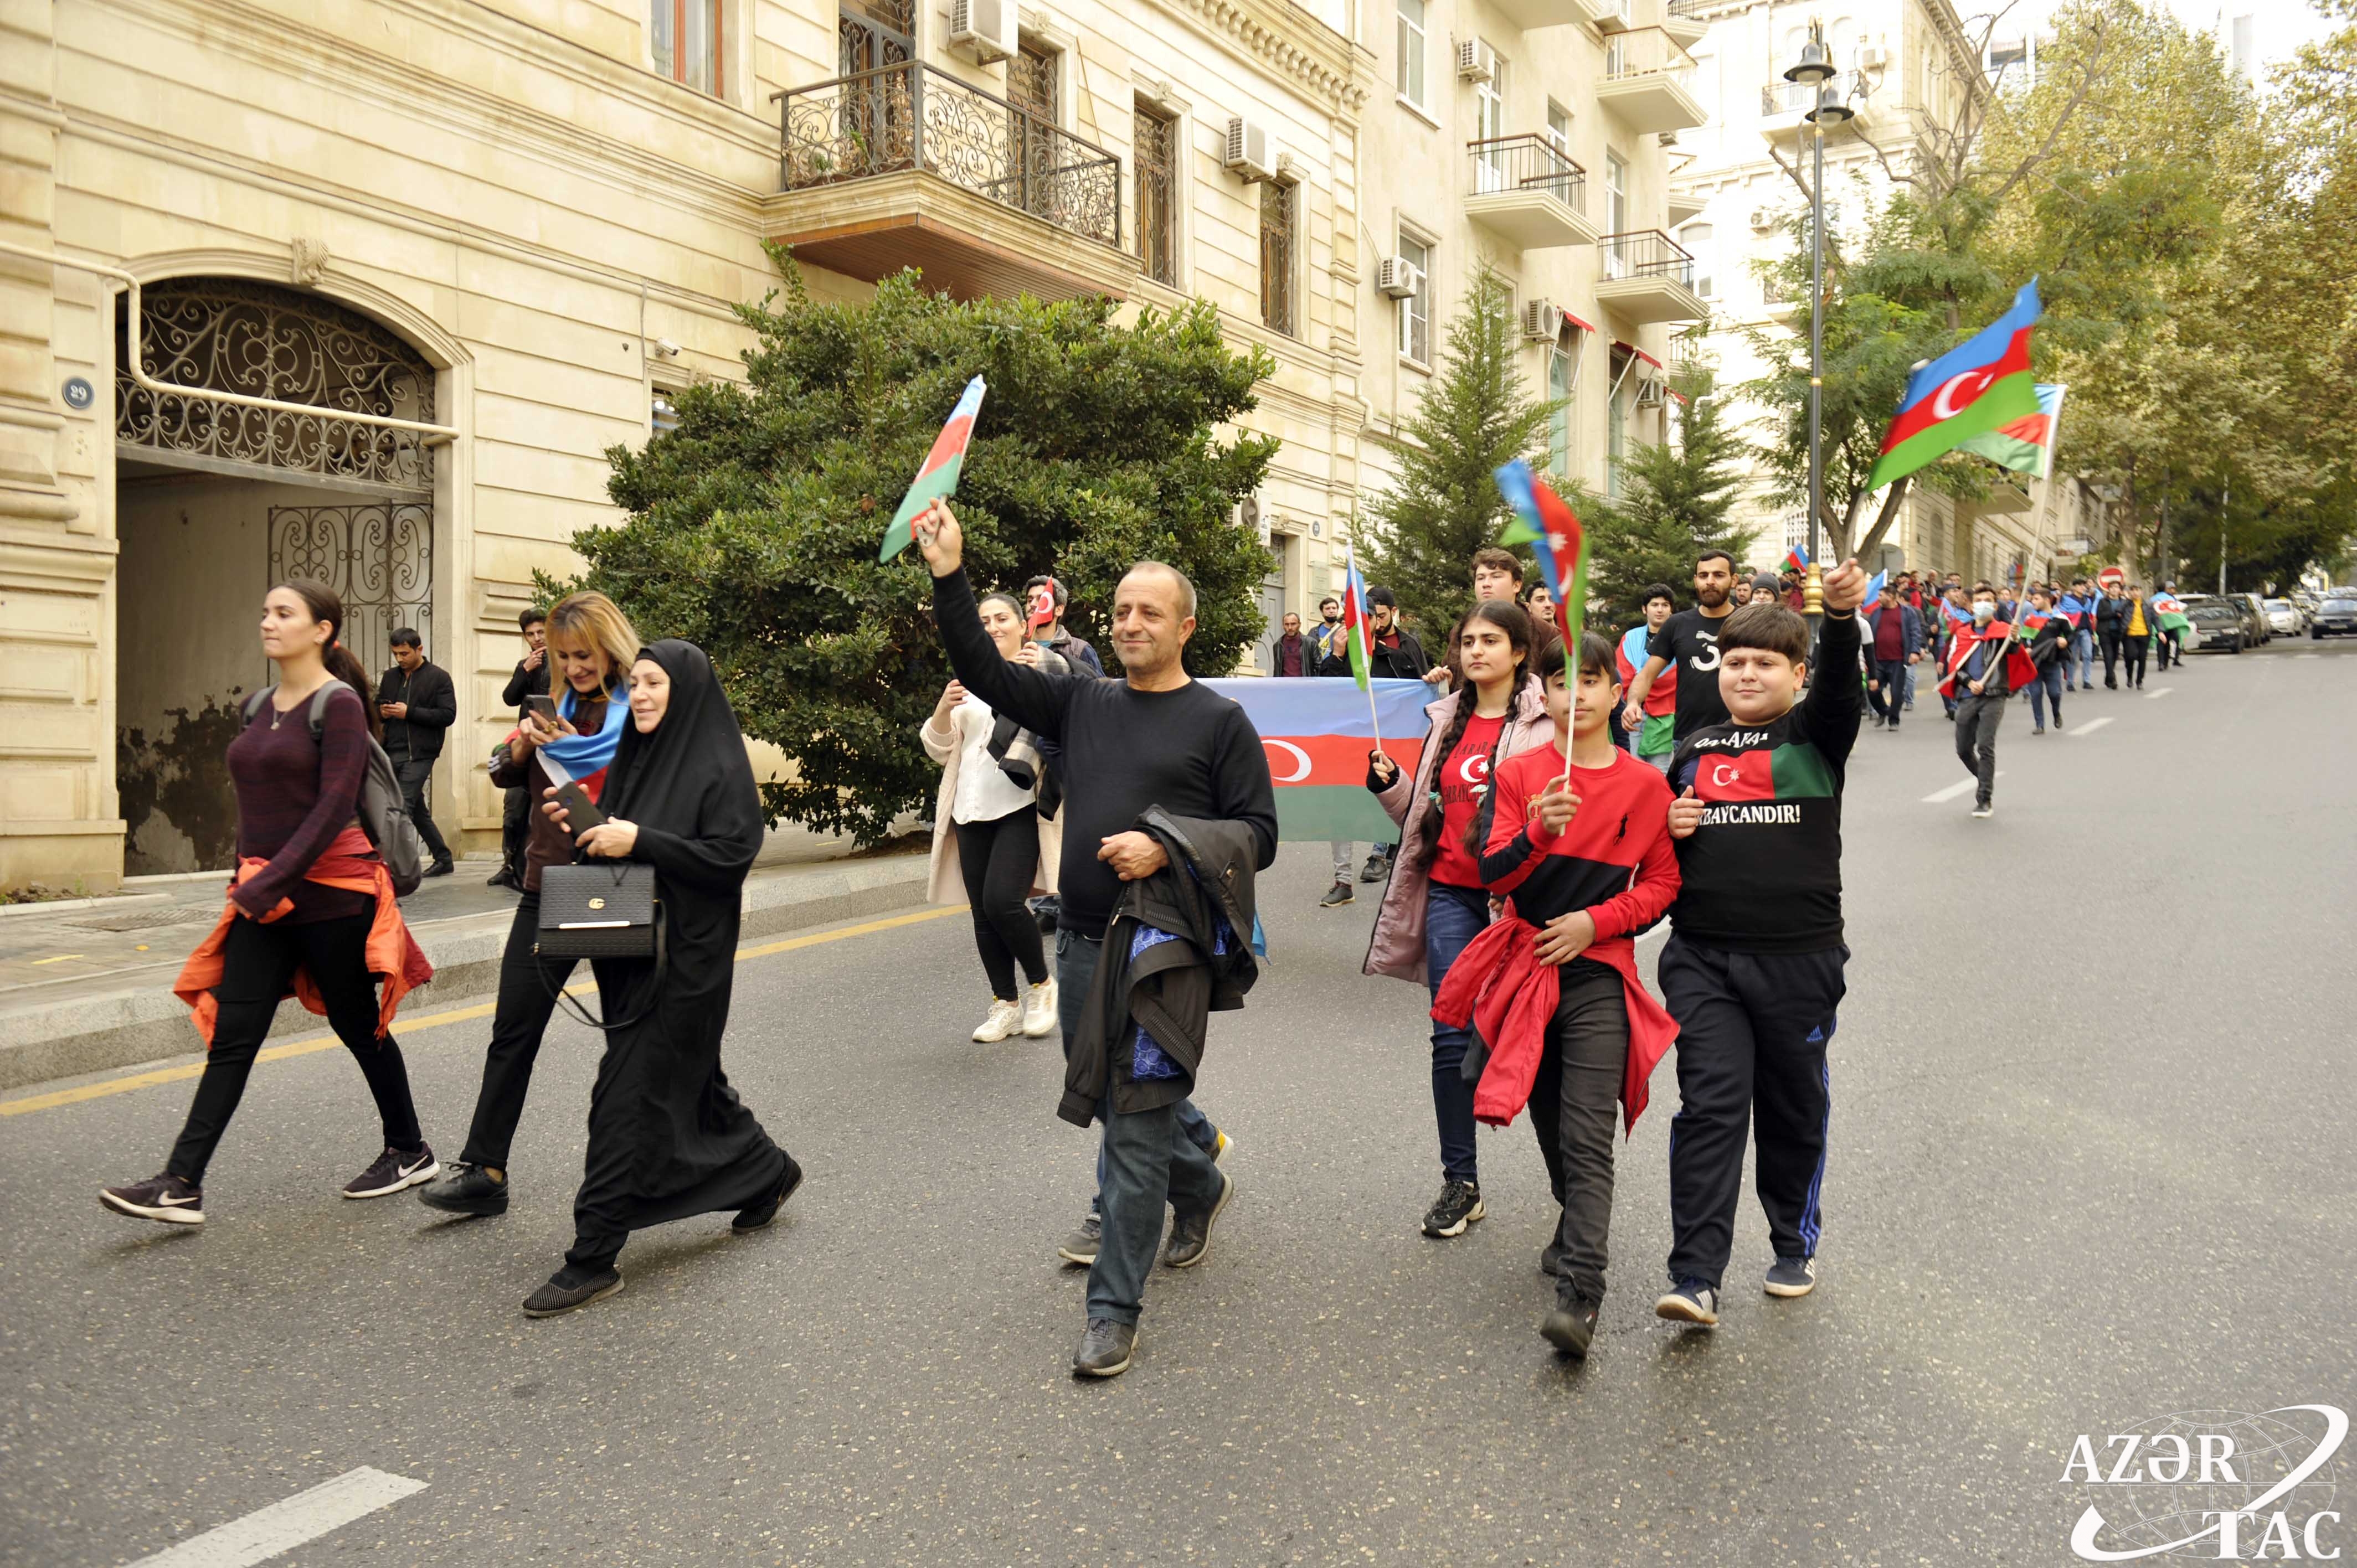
x: 1105, y: 1349
x: 1081, y: 1246
x: 1039, y: 1009
x: 1221, y: 1144
x: 504, y: 876
x: 393, y: 1172
x: 166, y: 1198
x: 568, y: 1291
x: 1571, y: 1326
x: 1005, y: 1018
x: 1910, y: 705
x: 1458, y: 1206
x: 1986, y: 809
x: 441, y: 868
x: 1191, y: 1234
x: 2039, y: 730
x: 1792, y: 1276
x: 1378, y: 866
x: 1691, y: 1302
x: 467, y: 1190
x: 756, y: 1216
x: 2058, y: 721
x: 1337, y: 896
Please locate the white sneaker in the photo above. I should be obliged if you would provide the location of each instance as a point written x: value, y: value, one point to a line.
x: 1039, y: 1009
x: 1005, y: 1019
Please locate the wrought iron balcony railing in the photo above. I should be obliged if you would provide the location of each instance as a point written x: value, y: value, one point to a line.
x: 1685, y: 10
x: 911, y: 115
x: 1646, y: 253
x: 1528, y: 162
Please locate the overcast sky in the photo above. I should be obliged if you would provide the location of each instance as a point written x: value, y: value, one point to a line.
x: 2280, y: 25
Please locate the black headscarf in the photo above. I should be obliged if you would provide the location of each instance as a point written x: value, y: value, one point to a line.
x: 689, y: 777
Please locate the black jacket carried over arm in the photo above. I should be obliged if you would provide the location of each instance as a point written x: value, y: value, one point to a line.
x: 1204, y: 898
x: 432, y: 709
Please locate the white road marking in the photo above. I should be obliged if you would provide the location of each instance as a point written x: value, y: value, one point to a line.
x: 2092, y: 725
x: 284, y: 1526
x: 1937, y: 796
x: 2158, y: 693
x: 2308, y: 656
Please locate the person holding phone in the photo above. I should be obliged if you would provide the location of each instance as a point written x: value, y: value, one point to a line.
x: 570, y: 739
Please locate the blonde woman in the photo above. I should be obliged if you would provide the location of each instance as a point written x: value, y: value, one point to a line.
x: 990, y: 843
x: 591, y: 645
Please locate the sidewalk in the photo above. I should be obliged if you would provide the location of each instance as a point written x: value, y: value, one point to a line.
x: 87, y: 986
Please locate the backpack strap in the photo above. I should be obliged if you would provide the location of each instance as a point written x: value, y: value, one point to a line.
x: 253, y: 703
x: 319, y: 708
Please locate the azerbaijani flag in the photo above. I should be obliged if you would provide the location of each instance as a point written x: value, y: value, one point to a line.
x: 937, y: 480
x: 1874, y: 586
x: 2076, y: 610
x: 1981, y: 384
x: 1317, y: 735
x: 2025, y: 445
x: 1655, y: 736
x: 1795, y: 559
x: 2169, y: 610
x: 1547, y: 525
x: 1357, y: 629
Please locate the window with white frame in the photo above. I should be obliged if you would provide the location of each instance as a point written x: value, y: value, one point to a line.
x: 1562, y: 390
x: 1697, y: 238
x: 1558, y: 131
x: 1408, y: 76
x: 1415, y: 310
x: 685, y: 37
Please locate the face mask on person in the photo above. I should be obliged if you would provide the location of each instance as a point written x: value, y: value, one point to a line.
x: 1984, y: 611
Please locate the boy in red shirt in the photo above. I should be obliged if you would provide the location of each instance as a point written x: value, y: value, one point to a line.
x: 1562, y: 1023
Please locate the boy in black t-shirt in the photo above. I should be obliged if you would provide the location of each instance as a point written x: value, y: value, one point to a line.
x: 1752, y: 971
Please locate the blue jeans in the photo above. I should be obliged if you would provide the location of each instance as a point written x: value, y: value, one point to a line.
x: 1145, y: 1158
x: 1453, y: 917
x: 2045, y: 688
x: 2082, y: 668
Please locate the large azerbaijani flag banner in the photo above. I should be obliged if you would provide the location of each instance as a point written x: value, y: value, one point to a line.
x: 2027, y: 445
x: 1317, y: 735
x: 937, y: 480
x: 1981, y: 384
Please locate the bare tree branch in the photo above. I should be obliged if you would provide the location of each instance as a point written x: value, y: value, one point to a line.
x: 1881, y: 528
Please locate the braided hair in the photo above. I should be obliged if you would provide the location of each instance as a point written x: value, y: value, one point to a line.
x: 1510, y: 619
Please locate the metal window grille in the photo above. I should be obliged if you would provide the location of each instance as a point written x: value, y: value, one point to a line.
x: 1158, y: 244
x: 1278, y: 209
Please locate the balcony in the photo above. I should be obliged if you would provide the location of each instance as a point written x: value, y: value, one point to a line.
x: 1648, y: 278
x: 1682, y: 207
x: 1645, y: 76
x: 907, y: 166
x: 1532, y: 14
x: 1682, y: 19
x: 1527, y: 193
x: 1784, y: 104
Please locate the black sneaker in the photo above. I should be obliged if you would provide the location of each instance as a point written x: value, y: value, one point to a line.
x: 393, y: 1172
x: 1789, y: 1277
x: 568, y: 1291
x: 1191, y: 1234
x: 1690, y: 1302
x: 1571, y: 1326
x: 467, y: 1190
x: 1105, y: 1349
x: 763, y: 1212
x: 1458, y: 1206
x: 1081, y: 1246
x: 166, y: 1198
x: 1337, y: 896
x: 1378, y: 866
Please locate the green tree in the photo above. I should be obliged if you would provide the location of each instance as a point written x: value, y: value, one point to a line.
x: 1475, y: 415
x: 1675, y: 499
x: 753, y: 527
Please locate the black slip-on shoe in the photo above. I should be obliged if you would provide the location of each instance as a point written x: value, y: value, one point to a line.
x: 566, y: 1292
x: 765, y: 1212
x: 466, y: 1189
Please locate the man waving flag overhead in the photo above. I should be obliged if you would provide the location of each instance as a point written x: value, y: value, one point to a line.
x: 1981, y: 384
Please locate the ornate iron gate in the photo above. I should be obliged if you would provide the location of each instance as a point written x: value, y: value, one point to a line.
x: 378, y: 555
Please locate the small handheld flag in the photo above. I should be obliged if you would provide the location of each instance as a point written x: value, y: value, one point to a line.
x: 1548, y: 526
x: 1980, y: 385
x: 1874, y: 586
x: 1359, y: 633
x: 1043, y: 607
x: 1796, y: 559
x: 937, y: 480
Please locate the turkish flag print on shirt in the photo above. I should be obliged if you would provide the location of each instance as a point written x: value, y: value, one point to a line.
x: 1741, y: 776
x: 1462, y: 781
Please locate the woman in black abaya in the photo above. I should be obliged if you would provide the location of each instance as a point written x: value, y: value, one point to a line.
x: 668, y: 1136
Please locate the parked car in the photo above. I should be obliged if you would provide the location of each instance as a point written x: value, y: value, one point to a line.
x: 2254, y: 611
x: 2283, y: 617
x: 2337, y: 617
x: 2217, y: 628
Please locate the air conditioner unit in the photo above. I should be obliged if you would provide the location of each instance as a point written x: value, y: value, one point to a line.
x: 1476, y: 62
x: 1542, y: 322
x: 1649, y: 394
x: 1613, y: 15
x: 1873, y: 57
x: 1764, y: 218
x: 981, y: 30
x: 1246, y: 152
x: 1398, y: 278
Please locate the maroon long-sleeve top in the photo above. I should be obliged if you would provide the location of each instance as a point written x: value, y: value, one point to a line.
x: 294, y: 796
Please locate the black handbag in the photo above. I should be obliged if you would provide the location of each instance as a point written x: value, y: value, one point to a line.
x: 610, y: 908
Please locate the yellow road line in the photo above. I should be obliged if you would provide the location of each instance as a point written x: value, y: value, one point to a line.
x: 59, y: 959
x: 426, y: 1021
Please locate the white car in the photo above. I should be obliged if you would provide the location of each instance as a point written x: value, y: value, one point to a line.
x: 2284, y: 617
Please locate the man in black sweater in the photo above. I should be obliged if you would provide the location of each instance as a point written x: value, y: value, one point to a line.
x: 530, y: 680
x: 1155, y: 737
x: 418, y: 705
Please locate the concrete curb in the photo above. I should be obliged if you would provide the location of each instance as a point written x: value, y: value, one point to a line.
x: 143, y: 1022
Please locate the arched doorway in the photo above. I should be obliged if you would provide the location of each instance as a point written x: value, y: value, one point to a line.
x: 214, y: 501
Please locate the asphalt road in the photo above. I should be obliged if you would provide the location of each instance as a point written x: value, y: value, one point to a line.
x: 2091, y: 1163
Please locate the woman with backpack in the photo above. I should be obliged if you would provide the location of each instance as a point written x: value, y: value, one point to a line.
x: 311, y: 910
x: 668, y: 1136
x: 996, y: 839
x: 588, y: 648
x: 1435, y: 902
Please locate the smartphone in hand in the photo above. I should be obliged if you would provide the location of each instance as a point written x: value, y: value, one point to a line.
x: 544, y: 708
x: 581, y: 813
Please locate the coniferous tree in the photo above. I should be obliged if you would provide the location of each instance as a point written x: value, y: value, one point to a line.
x: 1676, y: 496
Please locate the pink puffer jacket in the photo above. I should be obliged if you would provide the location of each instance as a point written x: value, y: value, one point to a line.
x: 1396, y: 948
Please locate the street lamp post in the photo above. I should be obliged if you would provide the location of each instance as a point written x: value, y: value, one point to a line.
x: 1814, y: 69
